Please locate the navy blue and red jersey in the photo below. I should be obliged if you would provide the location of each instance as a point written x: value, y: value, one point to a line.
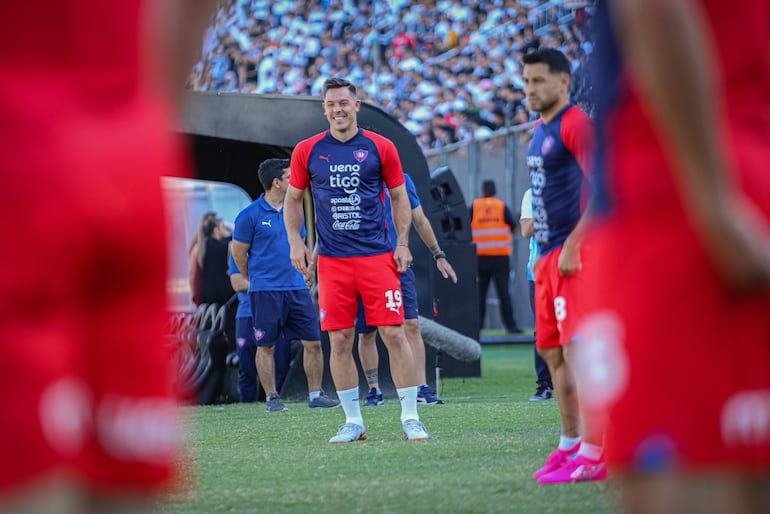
x: 346, y: 180
x: 634, y: 170
x: 559, y: 159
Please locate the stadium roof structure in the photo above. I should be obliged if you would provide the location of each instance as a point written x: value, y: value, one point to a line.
x: 275, y: 124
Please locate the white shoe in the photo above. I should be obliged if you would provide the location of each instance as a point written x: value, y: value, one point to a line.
x: 414, y: 430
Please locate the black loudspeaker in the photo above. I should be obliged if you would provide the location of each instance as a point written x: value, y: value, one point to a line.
x: 457, y: 307
x: 444, y: 187
x: 449, y: 214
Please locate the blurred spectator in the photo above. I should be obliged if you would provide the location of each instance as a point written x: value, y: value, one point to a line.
x: 195, y: 273
x: 441, y: 56
x: 212, y: 258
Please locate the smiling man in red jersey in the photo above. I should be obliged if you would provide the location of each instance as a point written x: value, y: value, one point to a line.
x: 345, y: 167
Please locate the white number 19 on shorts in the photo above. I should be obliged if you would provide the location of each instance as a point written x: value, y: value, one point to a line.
x: 393, y: 300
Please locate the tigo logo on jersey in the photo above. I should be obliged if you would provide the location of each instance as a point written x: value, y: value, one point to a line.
x: 259, y: 334
x: 360, y: 155
x: 547, y: 145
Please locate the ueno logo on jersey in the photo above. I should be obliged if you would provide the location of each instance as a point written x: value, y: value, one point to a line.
x: 360, y: 154
x: 547, y: 145
x: 344, y: 168
x: 534, y: 161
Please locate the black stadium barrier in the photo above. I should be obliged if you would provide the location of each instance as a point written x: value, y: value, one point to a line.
x: 203, y: 344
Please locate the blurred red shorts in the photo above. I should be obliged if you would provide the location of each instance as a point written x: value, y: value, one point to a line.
x: 86, y: 379
x: 679, y: 363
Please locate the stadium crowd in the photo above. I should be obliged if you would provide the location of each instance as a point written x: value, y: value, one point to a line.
x: 449, y: 70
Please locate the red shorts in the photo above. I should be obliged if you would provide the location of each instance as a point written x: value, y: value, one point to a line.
x: 680, y: 364
x: 342, y: 280
x: 86, y: 382
x: 557, y: 306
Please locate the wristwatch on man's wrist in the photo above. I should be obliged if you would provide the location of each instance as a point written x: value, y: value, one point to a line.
x: 439, y: 255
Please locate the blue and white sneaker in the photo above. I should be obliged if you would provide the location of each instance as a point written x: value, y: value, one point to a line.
x: 373, y: 399
x: 274, y: 404
x: 427, y: 396
x: 322, y: 402
x: 414, y: 430
x: 348, y: 433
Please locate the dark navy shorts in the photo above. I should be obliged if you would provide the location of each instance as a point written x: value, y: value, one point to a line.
x: 288, y: 314
x: 409, y: 298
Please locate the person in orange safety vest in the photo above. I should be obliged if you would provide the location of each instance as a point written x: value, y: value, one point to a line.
x: 493, y: 227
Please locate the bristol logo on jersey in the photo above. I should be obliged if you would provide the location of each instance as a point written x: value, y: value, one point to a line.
x: 360, y: 154
x: 547, y: 145
x: 259, y: 334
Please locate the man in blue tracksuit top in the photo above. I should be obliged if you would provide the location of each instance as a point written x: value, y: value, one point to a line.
x: 281, y: 306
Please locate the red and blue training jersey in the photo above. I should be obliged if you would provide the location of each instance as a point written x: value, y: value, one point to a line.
x: 559, y: 158
x: 346, y: 180
x: 634, y: 169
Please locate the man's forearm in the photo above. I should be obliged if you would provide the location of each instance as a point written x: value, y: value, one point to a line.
x: 292, y: 216
x: 425, y: 231
x: 402, y: 214
x: 527, y: 227
x: 240, y: 256
x: 575, y: 237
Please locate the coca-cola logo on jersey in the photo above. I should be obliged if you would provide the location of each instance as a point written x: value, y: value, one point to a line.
x: 346, y: 225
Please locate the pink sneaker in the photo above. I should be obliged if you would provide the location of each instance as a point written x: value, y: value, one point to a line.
x: 555, y: 461
x: 577, y: 469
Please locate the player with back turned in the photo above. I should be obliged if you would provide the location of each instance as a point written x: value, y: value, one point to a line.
x: 88, y: 105
x: 681, y: 244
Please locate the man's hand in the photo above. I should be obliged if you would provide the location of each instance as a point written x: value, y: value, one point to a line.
x: 738, y: 241
x: 300, y: 257
x: 446, y: 270
x: 569, y: 259
x: 403, y: 258
x: 310, y: 275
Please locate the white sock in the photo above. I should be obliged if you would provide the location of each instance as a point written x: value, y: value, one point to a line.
x: 590, y: 451
x: 313, y: 395
x: 350, y: 404
x: 568, y: 443
x: 408, y: 397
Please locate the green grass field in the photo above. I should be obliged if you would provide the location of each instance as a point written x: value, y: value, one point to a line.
x: 487, y: 440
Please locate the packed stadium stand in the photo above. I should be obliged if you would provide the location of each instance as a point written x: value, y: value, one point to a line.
x: 448, y: 70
